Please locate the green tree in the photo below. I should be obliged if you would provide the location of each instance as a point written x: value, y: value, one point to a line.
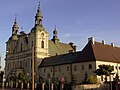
x: 90, y: 79
x: 104, y: 70
x: 22, y: 77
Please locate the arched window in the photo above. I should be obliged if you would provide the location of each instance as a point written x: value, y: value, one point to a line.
x: 42, y: 44
x: 42, y: 35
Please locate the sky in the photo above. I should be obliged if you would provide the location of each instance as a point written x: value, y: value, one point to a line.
x: 76, y: 20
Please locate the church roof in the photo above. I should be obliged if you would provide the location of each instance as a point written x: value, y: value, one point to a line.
x: 91, y: 52
x: 58, y: 49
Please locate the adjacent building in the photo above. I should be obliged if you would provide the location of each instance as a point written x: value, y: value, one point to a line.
x: 78, y: 64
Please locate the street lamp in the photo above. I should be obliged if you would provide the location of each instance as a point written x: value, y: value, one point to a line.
x: 32, y: 67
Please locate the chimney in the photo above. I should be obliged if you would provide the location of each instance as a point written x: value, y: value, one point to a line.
x: 103, y: 42
x: 91, y: 39
x: 112, y: 44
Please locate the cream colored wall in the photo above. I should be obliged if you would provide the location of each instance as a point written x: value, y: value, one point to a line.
x: 112, y: 64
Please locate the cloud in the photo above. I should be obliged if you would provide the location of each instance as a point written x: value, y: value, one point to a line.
x: 67, y: 35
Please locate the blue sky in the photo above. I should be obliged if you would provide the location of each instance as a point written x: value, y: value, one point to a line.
x: 76, y: 20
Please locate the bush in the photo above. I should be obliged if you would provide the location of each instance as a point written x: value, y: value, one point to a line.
x: 92, y: 80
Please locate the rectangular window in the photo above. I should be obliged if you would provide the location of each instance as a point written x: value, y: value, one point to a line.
x: 59, y: 69
x: 113, y: 67
x: 82, y: 67
x: 44, y: 70
x: 90, y: 66
x: 67, y: 68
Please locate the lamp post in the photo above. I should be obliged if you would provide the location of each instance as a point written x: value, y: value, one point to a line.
x: 32, y: 67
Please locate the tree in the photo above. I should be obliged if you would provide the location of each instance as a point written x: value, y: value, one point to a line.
x: 22, y: 77
x: 104, y: 70
x: 90, y: 79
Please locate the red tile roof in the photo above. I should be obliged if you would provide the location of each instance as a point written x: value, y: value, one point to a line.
x: 91, y: 52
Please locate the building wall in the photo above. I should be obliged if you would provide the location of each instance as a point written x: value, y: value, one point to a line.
x: 77, y: 69
x: 116, y: 69
x: 20, y: 51
x: 66, y: 70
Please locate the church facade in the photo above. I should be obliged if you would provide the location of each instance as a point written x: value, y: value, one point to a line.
x: 19, y: 45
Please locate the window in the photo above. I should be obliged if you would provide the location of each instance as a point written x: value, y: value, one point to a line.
x: 42, y: 35
x: 26, y: 64
x: 21, y: 47
x: 113, y: 67
x: 20, y: 64
x: 119, y: 68
x: 75, y: 68
x: 42, y: 44
x: 44, y: 70
x: 90, y: 66
x: 82, y: 67
x: 59, y: 69
x: 67, y: 68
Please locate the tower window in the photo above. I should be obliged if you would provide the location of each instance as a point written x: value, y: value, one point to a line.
x: 42, y: 44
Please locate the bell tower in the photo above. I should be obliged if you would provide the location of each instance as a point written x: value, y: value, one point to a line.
x: 15, y: 29
x: 38, y: 17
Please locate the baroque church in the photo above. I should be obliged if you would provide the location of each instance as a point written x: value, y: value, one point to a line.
x: 19, y: 45
x: 54, y: 60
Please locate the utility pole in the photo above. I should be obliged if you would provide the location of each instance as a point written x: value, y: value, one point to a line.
x: 32, y: 67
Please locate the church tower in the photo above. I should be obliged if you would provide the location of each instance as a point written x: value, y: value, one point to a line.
x: 15, y: 30
x: 40, y: 38
x: 38, y: 17
x: 55, y: 38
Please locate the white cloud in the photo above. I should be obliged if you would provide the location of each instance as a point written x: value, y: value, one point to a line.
x: 67, y: 35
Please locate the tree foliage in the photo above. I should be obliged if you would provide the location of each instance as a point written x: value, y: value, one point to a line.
x: 104, y: 70
x: 22, y: 77
x: 90, y: 79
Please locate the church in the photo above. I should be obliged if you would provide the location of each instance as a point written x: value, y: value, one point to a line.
x: 19, y: 45
x: 54, y: 60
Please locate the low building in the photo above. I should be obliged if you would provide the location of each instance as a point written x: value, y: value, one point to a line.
x: 80, y: 63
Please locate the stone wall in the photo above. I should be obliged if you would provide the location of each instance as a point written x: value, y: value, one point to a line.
x: 92, y: 87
